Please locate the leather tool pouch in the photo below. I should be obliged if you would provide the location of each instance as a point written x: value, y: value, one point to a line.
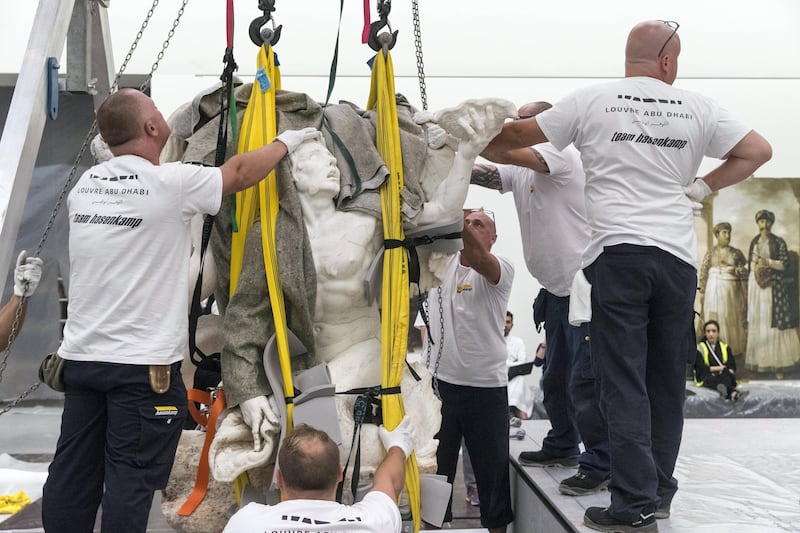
x: 159, y: 378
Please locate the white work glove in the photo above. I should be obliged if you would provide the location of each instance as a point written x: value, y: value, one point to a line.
x: 423, y: 117
x: 100, y: 149
x: 262, y: 419
x: 294, y: 138
x: 439, y: 138
x: 698, y: 190
x: 28, y: 272
x: 402, y: 436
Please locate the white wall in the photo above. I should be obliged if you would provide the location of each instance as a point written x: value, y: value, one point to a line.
x: 745, y: 54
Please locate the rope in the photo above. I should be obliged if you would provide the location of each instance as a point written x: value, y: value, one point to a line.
x: 395, y: 289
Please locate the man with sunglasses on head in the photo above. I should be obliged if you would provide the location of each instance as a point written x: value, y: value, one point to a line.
x: 468, y: 362
x: 547, y: 185
x: 641, y: 142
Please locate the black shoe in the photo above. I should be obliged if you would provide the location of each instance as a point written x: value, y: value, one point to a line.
x: 599, y: 519
x: 543, y: 458
x: 737, y: 395
x: 581, y: 484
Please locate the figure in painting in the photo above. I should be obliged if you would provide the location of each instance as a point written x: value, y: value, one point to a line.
x: 772, y: 318
x: 723, y: 285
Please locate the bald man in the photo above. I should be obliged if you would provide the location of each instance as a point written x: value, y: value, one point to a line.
x: 641, y: 142
x: 127, y: 330
x: 468, y: 361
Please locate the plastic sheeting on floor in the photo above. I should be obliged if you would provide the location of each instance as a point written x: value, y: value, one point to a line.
x: 765, y: 399
x: 16, y: 475
x: 734, y: 475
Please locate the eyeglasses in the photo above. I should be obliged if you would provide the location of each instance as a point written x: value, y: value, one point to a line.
x: 671, y: 24
x: 482, y: 210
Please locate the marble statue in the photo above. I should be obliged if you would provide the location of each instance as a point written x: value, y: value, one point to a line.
x: 345, y: 333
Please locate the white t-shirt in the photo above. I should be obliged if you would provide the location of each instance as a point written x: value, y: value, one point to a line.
x: 474, y: 349
x: 552, y: 215
x: 129, y: 246
x: 641, y: 141
x: 376, y: 513
x: 516, y: 350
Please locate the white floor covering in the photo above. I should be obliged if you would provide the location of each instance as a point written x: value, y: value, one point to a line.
x: 735, y: 475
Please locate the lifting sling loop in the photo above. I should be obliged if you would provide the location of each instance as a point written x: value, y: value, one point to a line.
x: 259, y: 127
x: 395, y: 288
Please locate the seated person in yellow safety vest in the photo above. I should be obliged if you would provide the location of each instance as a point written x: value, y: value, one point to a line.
x: 715, y: 366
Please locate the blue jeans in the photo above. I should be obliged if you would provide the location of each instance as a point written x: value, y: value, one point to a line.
x: 642, y: 335
x: 570, y: 393
x: 117, y: 443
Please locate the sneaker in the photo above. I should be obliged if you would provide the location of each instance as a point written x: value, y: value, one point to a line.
x: 472, y: 497
x: 542, y: 458
x: 599, y: 519
x: 514, y: 422
x: 737, y: 395
x: 662, y: 513
x: 581, y: 484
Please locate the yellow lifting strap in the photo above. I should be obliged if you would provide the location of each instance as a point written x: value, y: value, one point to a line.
x: 395, y: 298
x: 259, y: 127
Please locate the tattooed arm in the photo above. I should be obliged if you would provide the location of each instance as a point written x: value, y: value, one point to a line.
x: 521, y: 157
x: 486, y: 176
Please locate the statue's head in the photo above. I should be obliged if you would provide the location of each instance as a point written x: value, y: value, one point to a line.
x: 314, y: 168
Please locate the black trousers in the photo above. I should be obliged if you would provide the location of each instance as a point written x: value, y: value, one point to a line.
x: 480, y: 416
x: 642, y: 335
x: 117, y: 443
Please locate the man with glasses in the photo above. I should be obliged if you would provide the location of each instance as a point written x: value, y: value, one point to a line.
x: 468, y: 361
x: 641, y: 143
x: 547, y: 185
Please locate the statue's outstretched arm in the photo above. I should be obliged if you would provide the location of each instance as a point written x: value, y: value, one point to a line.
x: 473, y: 123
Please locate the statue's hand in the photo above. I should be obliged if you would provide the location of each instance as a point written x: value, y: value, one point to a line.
x: 475, y: 123
x: 262, y: 419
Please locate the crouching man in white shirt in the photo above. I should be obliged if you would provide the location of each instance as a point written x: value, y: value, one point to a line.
x: 308, y: 473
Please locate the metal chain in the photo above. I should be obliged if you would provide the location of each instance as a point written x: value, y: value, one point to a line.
x: 426, y: 306
x: 423, y: 93
x: 65, y: 190
x: 19, y: 398
x: 90, y: 135
x: 164, y: 45
x: 133, y: 46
